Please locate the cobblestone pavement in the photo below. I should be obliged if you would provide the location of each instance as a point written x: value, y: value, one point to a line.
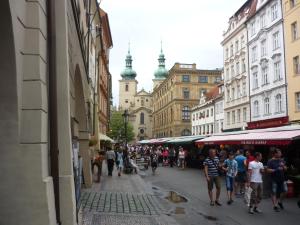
x: 121, y: 201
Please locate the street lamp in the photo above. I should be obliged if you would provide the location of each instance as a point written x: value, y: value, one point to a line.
x: 125, y: 117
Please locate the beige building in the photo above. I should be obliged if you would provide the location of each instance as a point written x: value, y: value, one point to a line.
x: 291, y: 16
x: 46, y: 114
x: 175, y: 96
x: 138, y: 103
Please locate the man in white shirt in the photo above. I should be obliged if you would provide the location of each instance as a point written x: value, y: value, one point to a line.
x: 255, y: 171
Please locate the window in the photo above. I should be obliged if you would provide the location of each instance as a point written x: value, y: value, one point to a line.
x: 275, y: 40
x: 237, y: 68
x: 255, y: 80
x: 277, y: 74
x: 278, y: 103
x: 226, y: 53
x: 202, y: 91
x: 236, y: 46
x: 254, y: 55
x: 186, y: 93
x: 262, y: 20
x: 238, y: 90
x: 265, y: 79
x: 243, y: 66
x: 227, y: 74
x: 263, y: 48
x: 185, y: 78
x: 294, y: 31
x: 296, y: 65
x: 267, y: 106
x: 186, y: 132
x: 142, y: 118
x: 244, y: 114
x: 232, y: 71
x: 233, y: 117
x: 207, y: 113
x: 228, y: 95
x: 238, y: 115
x: 185, y: 113
x: 126, y: 87
x: 244, y: 89
x: 242, y: 41
x: 292, y: 3
x: 231, y: 50
x: 126, y: 101
x: 274, y: 12
x: 256, y: 108
x: 228, y: 118
x: 232, y: 93
x: 211, y: 112
x: 203, y: 79
x: 252, y: 28
x: 298, y: 101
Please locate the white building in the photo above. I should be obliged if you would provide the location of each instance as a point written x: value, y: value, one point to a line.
x: 219, y: 110
x: 203, y: 115
x: 266, y: 65
x: 236, y: 100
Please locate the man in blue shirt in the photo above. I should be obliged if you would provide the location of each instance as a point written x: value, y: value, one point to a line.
x: 240, y: 179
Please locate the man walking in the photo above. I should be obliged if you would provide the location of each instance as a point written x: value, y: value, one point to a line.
x: 110, y: 160
x: 255, y: 171
x: 231, y: 167
x: 211, y: 170
x: 277, y: 168
x: 172, y: 156
x: 240, y: 179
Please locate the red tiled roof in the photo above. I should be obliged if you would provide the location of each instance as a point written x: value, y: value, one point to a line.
x: 212, y: 94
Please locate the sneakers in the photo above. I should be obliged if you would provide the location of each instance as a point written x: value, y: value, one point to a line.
x: 280, y: 205
x: 276, y: 209
x: 251, y: 210
x: 212, y: 203
x: 257, y: 210
x: 229, y: 202
x: 218, y: 203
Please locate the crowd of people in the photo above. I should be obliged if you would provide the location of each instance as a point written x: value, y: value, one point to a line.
x: 244, y: 173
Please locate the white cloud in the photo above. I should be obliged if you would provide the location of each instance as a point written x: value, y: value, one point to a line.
x: 191, y: 31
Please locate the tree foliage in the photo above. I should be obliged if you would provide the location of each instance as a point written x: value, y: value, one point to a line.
x: 117, y: 127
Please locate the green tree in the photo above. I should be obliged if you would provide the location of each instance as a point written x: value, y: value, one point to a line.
x: 117, y: 127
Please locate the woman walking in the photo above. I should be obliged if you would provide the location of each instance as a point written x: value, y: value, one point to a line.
x: 120, y: 162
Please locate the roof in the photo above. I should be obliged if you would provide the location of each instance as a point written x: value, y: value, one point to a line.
x: 212, y: 93
x: 106, y: 26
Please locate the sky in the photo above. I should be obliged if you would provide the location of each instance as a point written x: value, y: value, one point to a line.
x: 190, y: 30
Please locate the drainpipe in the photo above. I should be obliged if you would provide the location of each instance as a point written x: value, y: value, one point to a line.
x: 88, y: 44
x: 52, y: 76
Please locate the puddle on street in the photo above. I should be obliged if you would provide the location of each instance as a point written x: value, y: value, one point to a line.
x: 179, y: 210
x: 176, y: 198
x: 212, y: 218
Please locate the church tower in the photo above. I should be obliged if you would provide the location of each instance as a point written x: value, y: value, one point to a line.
x: 127, y: 85
x: 161, y: 73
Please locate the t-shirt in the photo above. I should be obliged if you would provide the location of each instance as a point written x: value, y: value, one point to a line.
x: 181, y: 155
x: 232, y: 167
x: 255, y: 168
x: 250, y: 158
x: 240, y: 161
x: 274, y: 164
x: 212, y: 166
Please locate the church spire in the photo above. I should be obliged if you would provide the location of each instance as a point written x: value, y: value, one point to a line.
x: 128, y: 73
x: 161, y: 72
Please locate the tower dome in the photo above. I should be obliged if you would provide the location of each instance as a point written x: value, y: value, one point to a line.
x: 128, y: 73
x: 161, y: 72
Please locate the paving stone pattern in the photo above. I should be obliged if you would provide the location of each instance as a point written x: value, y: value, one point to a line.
x: 124, y: 203
x: 123, y: 219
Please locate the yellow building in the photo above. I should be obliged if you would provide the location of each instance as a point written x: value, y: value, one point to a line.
x: 291, y: 14
x: 174, y: 97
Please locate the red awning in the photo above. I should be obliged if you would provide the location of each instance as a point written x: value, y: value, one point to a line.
x: 254, y: 138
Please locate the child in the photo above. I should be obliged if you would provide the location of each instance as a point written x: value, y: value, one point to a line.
x: 230, y: 167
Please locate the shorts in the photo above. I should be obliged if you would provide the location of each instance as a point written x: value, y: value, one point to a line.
x: 241, y: 177
x: 229, y: 183
x: 279, y: 188
x: 154, y: 164
x: 212, y: 181
x: 256, y: 193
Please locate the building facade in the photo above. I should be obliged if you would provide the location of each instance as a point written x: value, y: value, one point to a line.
x: 219, y: 110
x: 236, y: 104
x: 174, y: 98
x: 291, y: 15
x: 268, y: 97
x: 46, y: 118
x: 138, y: 103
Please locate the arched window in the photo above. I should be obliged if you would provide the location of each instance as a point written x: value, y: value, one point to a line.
x: 278, y: 102
x: 186, y: 113
x: 267, y: 106
x: 256, y: 108
x: 126, y: 87
x: 186, y: 132
x: 142, y: 118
